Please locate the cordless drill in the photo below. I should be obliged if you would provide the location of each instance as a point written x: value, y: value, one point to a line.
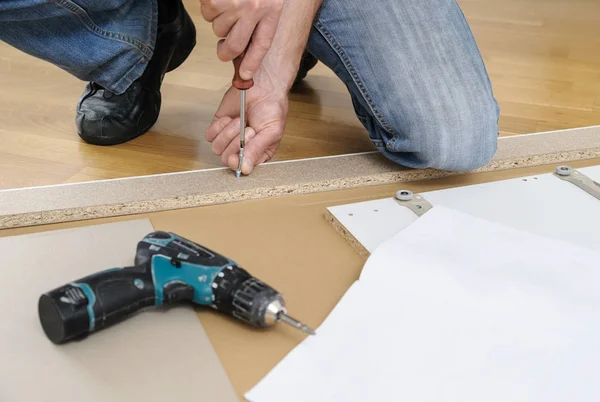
x: 168, y: 269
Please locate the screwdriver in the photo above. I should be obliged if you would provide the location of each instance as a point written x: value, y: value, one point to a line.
x: 242, y: 85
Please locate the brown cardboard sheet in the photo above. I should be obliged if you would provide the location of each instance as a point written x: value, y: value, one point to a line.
x: 154, y: 356
x: 287, y: 242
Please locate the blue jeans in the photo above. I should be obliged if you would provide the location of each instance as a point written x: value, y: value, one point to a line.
x: 412, y: 67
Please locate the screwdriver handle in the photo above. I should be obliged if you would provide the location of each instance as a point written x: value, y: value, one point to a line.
x: 238, y: 82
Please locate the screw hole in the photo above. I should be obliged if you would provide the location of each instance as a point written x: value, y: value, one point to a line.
x: 524, y: 179
x: 350, y: 214
x: 375, y: 210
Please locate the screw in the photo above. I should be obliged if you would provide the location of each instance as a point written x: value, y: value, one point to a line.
x: 404, y: 195
x: 564, y: 171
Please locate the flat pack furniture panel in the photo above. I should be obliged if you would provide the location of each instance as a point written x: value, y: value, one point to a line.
x: 156, y: 355
x: 455, y: 309
x: 541, y: 204
x: 121, y: 197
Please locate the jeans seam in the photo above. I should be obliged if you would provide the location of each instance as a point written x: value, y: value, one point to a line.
x: 354, y: 74
x: 126, y: 76
x: 92, y: 27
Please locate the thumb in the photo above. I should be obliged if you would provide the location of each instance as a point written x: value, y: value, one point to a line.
x: 230, y: 104
x: 261, y: 148
x: 228, y: 110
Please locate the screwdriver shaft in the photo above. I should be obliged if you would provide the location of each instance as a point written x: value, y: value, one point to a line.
x: 238, y: 171
x: 243, y: 118
x: 242, y: 85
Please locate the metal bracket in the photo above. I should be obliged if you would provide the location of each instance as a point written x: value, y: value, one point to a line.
x: 571, y: 175
x: 414, y: 202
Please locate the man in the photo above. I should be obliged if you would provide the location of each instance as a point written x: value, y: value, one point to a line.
x: 412, y: 67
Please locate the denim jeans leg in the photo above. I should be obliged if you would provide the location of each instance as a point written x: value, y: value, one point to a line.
x: 417, y: 80
x: 109, y: 42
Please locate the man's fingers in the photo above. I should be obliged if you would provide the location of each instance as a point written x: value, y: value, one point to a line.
x: 226, y: 136
x: 223, y: 24
x: 233, y: 161
x: 237, y: 40
x: 216, y: 127
x: 261, y: 148
x: 233, y: 150
x: 211, y: 9
x: 229, y: 107
x: 230, y: 104
x: 260, y: 45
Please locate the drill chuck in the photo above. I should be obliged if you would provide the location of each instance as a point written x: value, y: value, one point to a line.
x: 244, y: 297
x: 258, y: 304
x: 253, y: 301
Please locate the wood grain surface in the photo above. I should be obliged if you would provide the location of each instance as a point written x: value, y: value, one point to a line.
x: 542, y: 56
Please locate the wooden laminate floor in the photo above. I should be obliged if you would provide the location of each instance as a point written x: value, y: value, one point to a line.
x: 542, y: 56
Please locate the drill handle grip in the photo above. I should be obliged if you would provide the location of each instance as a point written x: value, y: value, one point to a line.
x: 96, y: 301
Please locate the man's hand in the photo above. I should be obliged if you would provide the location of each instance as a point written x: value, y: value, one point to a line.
x: 242, y: 22
x: 266, y: 111
x: 266, y: 101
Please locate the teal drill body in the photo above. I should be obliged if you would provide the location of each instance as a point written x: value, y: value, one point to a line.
x: 199, y: 277
x: 168, y: 269
x: 175, y: 260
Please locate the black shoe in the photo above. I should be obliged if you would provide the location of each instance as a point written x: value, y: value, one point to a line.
x: 104, y: 118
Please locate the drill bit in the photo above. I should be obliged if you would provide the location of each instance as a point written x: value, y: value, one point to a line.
x: 238, y: 171
x: 296, y: 324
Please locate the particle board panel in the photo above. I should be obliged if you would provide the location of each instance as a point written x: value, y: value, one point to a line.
x: 69, y: 202
x: 287, y: 242
x: 541, y: 204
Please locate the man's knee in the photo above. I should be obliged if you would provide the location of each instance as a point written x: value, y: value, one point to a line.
x: 447, y: 137
x: 464, y: 141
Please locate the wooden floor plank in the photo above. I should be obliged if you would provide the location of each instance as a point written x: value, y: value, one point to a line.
x: 542, y: 56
